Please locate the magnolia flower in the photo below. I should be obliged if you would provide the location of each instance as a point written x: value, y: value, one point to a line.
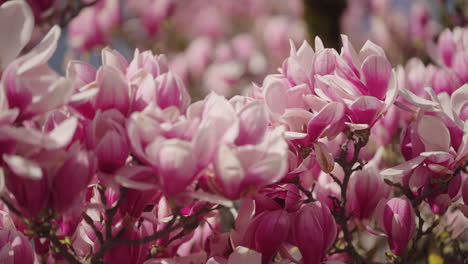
x: 396, y: 217
x: 17, y: 23
x: 28, y: 86
x: 15, y: 248
x: 125, y: 86
x: 436, y: 145
x: 107, y: 136
x: 248, y: 167
x: 267, y: 232
x: 93, y: 25
x: 366, y: 188
x: 314, y: 232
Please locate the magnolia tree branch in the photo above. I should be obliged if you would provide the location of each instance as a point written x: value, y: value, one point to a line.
x: 341, y: 217
x: 62, y: 250
x: 43, y: 229
x: 188, y: 224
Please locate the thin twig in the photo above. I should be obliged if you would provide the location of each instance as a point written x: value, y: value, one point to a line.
x: 62, y: 250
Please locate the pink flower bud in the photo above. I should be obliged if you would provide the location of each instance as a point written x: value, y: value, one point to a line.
x: 25, y: 180
x: 314, y: 232
x: 445, y: 80
x: 447, y: 47
x: 279, y: 196
x: 15, y: 248
x: 398, y: 222
x: 267, y: 232
x: 366, y: 188
x: 93, y: 25
x: 107, y: 137
x: 113, y: 90
x: 172, y: 92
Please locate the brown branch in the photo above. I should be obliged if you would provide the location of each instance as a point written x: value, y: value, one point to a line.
x: 348, y: 167
x: 110, y: 213
x: 90, y: 222
x: 11, y: 207
x: 62, y: 250
x: 188, y: 223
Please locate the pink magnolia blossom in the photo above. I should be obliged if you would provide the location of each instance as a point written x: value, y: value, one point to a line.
x: 250, y: 166
x: 397, y: 219
x: 17, y: 22
x: 107, y: 136
x: 15, y: 248
x: 314, y: 232
x: 46, y: 177
x: 152, y: 13
x: 436, y: 145
x: 30, y: 85
x: 93, y: 25
x: 125, y: 86
x: 267, y: 232
x: 366, y: 188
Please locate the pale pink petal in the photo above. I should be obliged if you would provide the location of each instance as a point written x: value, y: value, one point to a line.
x: 324, y: 157
x: 376, y: 71
x: 253, y: 123
x: 417, y: 101
x: 349, y: 53
x: 400, y: 170
x: 275, y: 96
x: 113, y: 58
x: 330, y: 114
x: 268, y: 170
x: 229, y: 172
x: 446, y: 46
x: 22, y: 167
x: 459, y: 99
x: 124, y: 178
x: 318, y: 44
x: 305, y: 55
x: 369, y: 49
x: 204, y: 144
x: 57, y: 95
x: 365, y: 110
x: 16, y: 26
x: 62, y: 134
x: 175, y: 165
x: 113, y: 90
x: 434, y: 134
x: 324, y: 62
x: 245, y: 255
x: 81, y: 73
x: 40, y: 54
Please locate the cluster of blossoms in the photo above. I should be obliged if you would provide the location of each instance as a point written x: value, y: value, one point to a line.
x: 403, y: 27
x: 240, y: 41
x: 116, y: 164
